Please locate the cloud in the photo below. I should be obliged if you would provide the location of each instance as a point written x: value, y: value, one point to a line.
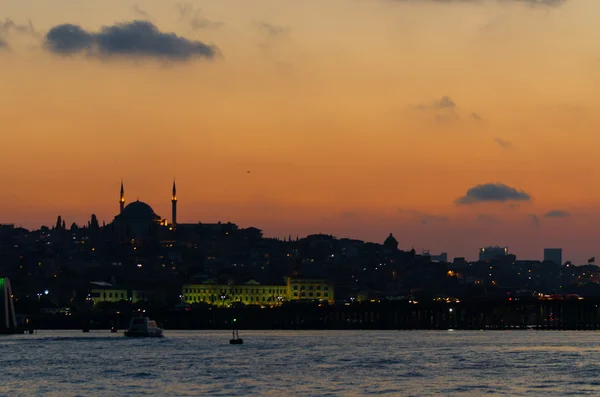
x: 443, y: 110
x: 476, y: 116
x: 492, y: 192
x: 557, y: 214
x: 68, y: 39
x: 139, y: 11
x: 131, y: 39
x: 444, y: 103
x: 504, y: 144
x: 9, y: 26
x: 192, y: 16
x: 535, y: 221
x: 274, y: 30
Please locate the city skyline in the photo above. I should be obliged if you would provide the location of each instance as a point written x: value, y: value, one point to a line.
x: 453, y: 126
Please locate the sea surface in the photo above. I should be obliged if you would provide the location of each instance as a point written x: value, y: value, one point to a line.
x: 302, y: 363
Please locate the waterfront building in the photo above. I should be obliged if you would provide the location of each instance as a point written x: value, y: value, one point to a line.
x: 253, y: 293
x: 105, y: 292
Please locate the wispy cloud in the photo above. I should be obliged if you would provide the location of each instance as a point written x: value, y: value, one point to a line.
x: 503, y: 143
x: 139, y: 11
x: 535, y: 220
x: 194, y: 18
x: 557, y: 214
x: 274, y: 30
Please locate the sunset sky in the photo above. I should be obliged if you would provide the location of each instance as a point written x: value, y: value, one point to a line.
x: 451, y: 124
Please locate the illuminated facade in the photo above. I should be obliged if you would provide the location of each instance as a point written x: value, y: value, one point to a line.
x: 98, y: 295
x: 253, y: 293
x: 114, y: 295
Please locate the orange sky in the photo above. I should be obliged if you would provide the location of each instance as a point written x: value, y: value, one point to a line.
x: 336, y: 109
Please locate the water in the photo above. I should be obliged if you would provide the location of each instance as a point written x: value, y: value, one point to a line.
x: 307, y: 363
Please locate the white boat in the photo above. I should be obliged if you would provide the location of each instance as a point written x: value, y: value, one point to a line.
x: 143, y: 327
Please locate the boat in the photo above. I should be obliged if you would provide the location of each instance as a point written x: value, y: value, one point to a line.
x: 143, y: 327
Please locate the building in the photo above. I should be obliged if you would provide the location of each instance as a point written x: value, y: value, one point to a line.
x: 443, y: 257
x: 489, y: 253
x: 553, y: 255
x: 138, y: 221
x: 253, y: 293
x: 104, y: 292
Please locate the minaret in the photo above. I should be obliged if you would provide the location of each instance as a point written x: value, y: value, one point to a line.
x: 174, y: 205
x: 122, y: 199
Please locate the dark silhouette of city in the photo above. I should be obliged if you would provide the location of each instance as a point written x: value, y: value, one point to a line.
x: 142, y: 261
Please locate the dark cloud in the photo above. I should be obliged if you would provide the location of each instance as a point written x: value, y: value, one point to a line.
x: 193, y: 17
x: 535, y: 221
x: 139, y: 11
x: 557, y: 214
x: 492, y: 192
x: 274, y: 30
x: 132, y: 39
x: 68, y: 39
x: 476, y: 116
x: 504, y: 144
x: 3, y: 44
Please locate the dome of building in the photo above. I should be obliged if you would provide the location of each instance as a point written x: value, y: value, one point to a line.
x: 391, y: 242
x: 139, y: 210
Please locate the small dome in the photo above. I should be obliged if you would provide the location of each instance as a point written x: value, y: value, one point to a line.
x: 139, y: 211
x: 391, y: 242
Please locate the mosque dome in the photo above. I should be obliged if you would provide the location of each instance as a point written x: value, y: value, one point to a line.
x: 138, y: 211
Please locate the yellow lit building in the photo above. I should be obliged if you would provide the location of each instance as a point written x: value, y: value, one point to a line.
x: 253, y: 293
x: 99, y: 295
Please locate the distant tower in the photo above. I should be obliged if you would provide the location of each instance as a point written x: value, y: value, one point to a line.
x: 122, y: 199
x: 174, y: 205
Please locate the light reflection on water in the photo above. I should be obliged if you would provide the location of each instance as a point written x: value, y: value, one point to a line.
x: 307, y: 363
